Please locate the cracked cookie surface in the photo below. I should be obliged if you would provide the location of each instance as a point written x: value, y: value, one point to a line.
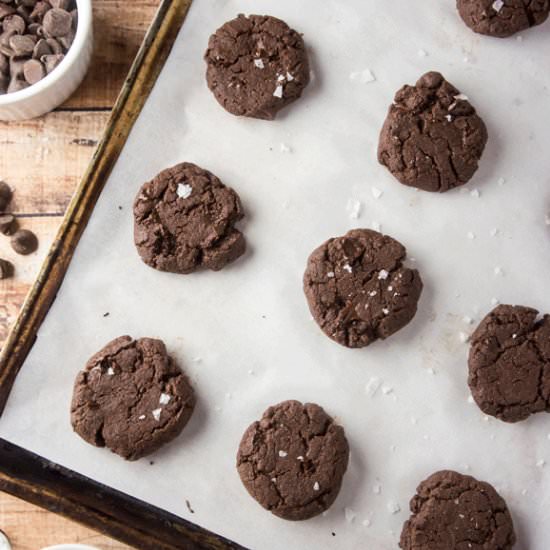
x: 184, y: 221
x: 502, y: 18
x: 293, y: 460
x: 256, y: 65
x: 432, y: 138
x: 454, y: 511
x: 358, y: 289
x: 509, y: 363
x: 131, y: 398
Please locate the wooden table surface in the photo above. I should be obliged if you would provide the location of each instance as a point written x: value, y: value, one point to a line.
x: 43, y: 160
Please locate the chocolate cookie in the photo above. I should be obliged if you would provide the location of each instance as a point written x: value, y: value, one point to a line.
x: 454, y: 511
x: 131, y: 398
x: 256, y: 65
x: 432, y: 138
x: 184, y: 220
x: 502, y: 18
x: 293, y: 460
x: 509, y: 363
x: 358, y: 289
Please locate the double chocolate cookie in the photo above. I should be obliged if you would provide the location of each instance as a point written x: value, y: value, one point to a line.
x: 502, y: 18
x: 509, y: 363
x: 293, y: 460
x: 358, y: 289
x: 454, y: 511
x: 184, y: 220
x: 131, y: 398
x: 432, y: 138
x: 256, y: 65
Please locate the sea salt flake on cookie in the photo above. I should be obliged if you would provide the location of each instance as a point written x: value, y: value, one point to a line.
x: 184, y: 190
x: 156, y: 414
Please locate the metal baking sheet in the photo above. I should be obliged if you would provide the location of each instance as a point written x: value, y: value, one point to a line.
x: 245, y: 335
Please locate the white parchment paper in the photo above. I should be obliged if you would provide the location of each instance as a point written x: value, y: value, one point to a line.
x: 245, y: 335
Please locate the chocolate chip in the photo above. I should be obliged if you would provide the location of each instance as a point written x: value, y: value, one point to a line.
x: 54, y: 45
x: 34, y: 28
x: 25, y: 13
x: 6, y: 10
x: 5, y: 195
x: 4, y: 64
x: 16, y: 85
x: 16, y: 68
x: 39, y: 11
x: 61, y: 4
x: 22, y: 44
x: 41, y: 48
x: 8, y: 224
x: 27, y: 3
x: 67, y: 40
x: 57, y: 22
x: 33, y: 71
x: 24, y: 242
x: 5, y: 37
x: 14, y: 23
x: 51, y: 61
x: 6, y: 269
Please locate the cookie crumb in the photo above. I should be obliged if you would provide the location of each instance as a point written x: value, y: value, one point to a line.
x: 188, y: 504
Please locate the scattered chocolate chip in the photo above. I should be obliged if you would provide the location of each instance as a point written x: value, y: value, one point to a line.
x: 5, y: 195
x: 188, y: 504
x: 39, y: 11
x: 106, y: 314
x: 16, y: 85
x: 16, y: 68
x: 33, y: 71
x: 67, y: 40
x: 8, y: 224
x: 6, y: 10
x: 57, y: 22
x: 6, y: 269
x: 24, y: 241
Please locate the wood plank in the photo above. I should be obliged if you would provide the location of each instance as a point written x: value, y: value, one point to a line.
x: 43, y: 159
x: 31, y: 528
x: 119, y: 27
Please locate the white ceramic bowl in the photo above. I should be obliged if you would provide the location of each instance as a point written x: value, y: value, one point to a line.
x: 56, y: 87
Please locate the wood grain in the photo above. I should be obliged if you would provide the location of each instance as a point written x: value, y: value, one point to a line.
x: 43, y: 160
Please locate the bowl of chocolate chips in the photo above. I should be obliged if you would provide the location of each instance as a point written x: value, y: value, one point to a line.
x: 45, y: 51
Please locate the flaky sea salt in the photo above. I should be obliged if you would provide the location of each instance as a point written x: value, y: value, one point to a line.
x: 376, y: 193
x: 461, y: 97
x: 393, y: 507
x: 330, y: 274
x: 259, y: 63
x: 156, y: 414
x: 110, y: 371
x: 316, y: 486
x: 364, y: 77
x: 383, y: 274
x: 283, y: 454
x: 372, y: 386
x: 498, y: 5
x: 278, y: 91
x: 354, y: 208
x: 348, y: 268
x: 184, y: 190
x: 164, y: 399
x: 463, y: 337
x: 449, y: 118
x: 349, y: 514
x: 385, y: 311
x: 289, y: 77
